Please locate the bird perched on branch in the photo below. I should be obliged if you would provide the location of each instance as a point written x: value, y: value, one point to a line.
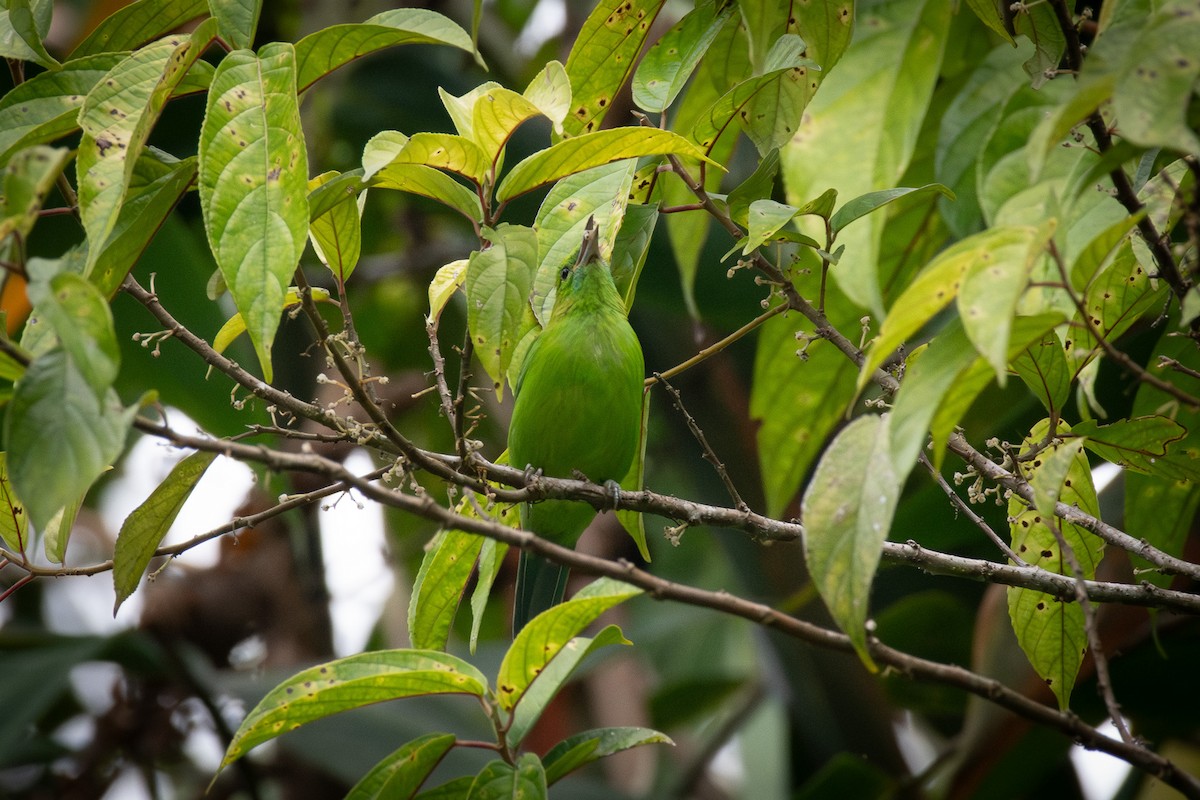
x: 578, y: 412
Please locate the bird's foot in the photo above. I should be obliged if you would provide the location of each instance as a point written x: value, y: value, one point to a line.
x: 614, y: 492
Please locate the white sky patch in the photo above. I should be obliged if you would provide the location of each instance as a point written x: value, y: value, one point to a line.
x: 357, y: 572
x: 213, y: 502
x: 548, y: 20
x: 1100, y: 775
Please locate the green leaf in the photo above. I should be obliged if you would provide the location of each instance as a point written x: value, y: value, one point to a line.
x: 765, y: 221
x: 1043, y: 367
x: 238, y: 20
x: 23, y: 26
x: 59, y: 437
x: 446, y: 151
x: 928, y: 376
x: 145, y: 527
x: 1040, y: 24
x: 989, y: 294
x: 57, y: 532
x: 334, y: 190
x: 117, y: 117
x: 14, y: 525
x: 1117, y: 298
x: 599, y: 193
x: 670, y: 61
x: 441, y: 580
x: 759, y: 186
x: 1155, y: 85
x: 1162, y: 511
x: 938, y: 284
x: 736, y: 104
x: 352, y: 682
x: 591, y: 150
x: 336, y: 235
x: 27, y: 180
x: 385, y: 168
x: 847, y: 512
x: 861, y: 129
x: 943, y: 382
x: 498, y: 283
x: 1141, y: 444
x: 603, y: 55
x: 83, y: 322
x: 774, y: 113
x: 495, y: 116
x: 634, y: 522
x: 448, y: 280
x: 456, y: 789
x: 157, y: 184
x: 499, y: 780
x: 320, y: 53
x: 554, y: 677
x: 1050, y: 631
x: 235, y: 326
x: 550, y: 92
x: 253, y: 184
x: 865, y: 204
x: 137, y: 24
x: 1048, y: 479
x: 46, y: 106
x: 401, y: 774
x: 549, y: 632
x: 798, y: 401
x: 989, y: 14
x: 491, y: 560
x: 1092, y: 258
x: 583, y: 748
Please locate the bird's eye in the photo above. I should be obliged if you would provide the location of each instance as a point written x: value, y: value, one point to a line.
x: 566, y: 273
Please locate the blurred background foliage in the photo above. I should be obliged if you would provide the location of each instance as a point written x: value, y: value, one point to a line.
x: 95, y: 708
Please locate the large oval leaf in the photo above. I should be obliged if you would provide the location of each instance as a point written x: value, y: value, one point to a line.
x: 847, y: 511
x: 116, y: 119
x: 1050, y: 631
x: 603, y: 55
x: 253, y: 184
x: 349, y: 683
x: 549, y: 632
x: 498, y: 283
x: 320, y: 53
x: 591, y: 150
x: 59, y: 437
x: 669, y: 63
x: 401, y: 774
x: 138, y: 23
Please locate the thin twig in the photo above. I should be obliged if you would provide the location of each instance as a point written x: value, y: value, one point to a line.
x: 1139, y: 372
x: 1169, y: 363
x: 709, y: 455
x: 965, y: 509
x: 717, y: 347
x: 439, y: 372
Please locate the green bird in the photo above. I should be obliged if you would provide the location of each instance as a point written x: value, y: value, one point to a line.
x: 578, y: 411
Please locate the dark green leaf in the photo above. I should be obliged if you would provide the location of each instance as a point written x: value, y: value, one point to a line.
x: 401, y: 774
x: 583, y: 748
x: 138, y: 23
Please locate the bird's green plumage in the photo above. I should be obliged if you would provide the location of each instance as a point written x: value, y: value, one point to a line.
x: 578, y: 403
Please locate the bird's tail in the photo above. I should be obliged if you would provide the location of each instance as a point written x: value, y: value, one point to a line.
x: 541, y: 585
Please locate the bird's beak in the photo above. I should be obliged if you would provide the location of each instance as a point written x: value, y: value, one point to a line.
x: 589, y: 250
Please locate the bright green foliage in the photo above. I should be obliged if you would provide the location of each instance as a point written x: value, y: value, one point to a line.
x: 401, y: 774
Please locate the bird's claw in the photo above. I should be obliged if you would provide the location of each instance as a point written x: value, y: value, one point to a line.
x: 531, y: 474
x: 614, y: 492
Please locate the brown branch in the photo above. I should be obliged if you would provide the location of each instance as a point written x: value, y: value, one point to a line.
x: 709, y: 454
x: 918, y: 668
